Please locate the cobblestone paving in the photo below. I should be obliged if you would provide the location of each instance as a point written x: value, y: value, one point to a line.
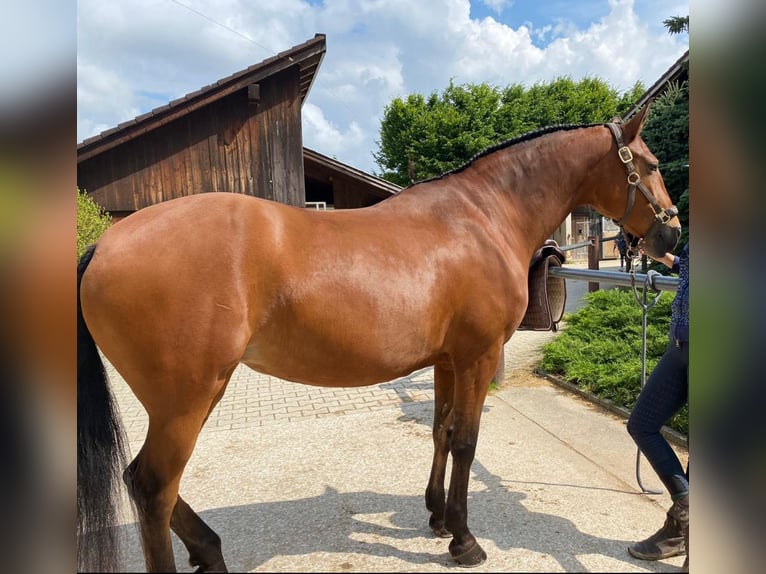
x: 256, y: 399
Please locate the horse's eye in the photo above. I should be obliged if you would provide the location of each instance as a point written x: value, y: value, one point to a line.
x: 654, y: 166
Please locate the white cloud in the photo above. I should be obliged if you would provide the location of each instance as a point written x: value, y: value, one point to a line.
x: 130, y: 50
x: 108, y: 98
x: 493, y: 52
x: 328, y: 138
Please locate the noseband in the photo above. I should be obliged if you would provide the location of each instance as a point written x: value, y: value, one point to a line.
x: 663, y: 215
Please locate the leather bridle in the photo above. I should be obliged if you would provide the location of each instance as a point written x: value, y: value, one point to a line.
x: 663, y: 215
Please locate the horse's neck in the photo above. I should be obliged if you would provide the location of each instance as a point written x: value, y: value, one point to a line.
x: 531, y: 185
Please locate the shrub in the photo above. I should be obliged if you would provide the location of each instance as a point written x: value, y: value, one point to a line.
x: 600, y: 348
x: 92, y: 221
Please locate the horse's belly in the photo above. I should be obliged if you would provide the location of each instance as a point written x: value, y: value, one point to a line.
x: 316, y: 361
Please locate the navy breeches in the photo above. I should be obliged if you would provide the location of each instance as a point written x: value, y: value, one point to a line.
x: 666, y: 391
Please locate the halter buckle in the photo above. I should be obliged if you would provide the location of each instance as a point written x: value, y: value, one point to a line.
x: 626, y: 156
x: 666, y: 215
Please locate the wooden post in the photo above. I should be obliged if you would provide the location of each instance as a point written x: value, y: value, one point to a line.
x: 593, y: 257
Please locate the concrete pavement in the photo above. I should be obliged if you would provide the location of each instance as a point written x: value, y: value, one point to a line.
x: 308, y: 479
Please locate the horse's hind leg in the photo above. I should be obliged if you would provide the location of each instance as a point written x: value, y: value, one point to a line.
x: 203, y: 544
x: 444, y: 388
x: 153, y: 479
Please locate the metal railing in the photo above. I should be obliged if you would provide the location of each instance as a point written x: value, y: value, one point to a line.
x: 576, y: 245
x: 652, y: 279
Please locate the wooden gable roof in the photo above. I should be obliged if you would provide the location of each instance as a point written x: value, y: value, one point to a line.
x: 679, y: 71
x: 308, y: 56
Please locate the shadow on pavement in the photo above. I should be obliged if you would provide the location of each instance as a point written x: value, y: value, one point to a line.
x: 346, y: 529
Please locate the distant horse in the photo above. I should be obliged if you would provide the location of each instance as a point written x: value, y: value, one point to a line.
x: 180, y: 293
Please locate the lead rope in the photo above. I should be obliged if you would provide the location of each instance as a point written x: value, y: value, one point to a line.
x: 645, y: 306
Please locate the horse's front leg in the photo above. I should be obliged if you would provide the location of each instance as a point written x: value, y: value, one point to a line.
x: 471, y: 386
x: 444, y: 386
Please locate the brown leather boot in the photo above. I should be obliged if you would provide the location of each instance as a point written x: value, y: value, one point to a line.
x: 668, y: 541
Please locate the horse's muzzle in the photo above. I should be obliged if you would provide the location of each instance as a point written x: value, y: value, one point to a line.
x: 660, y: 239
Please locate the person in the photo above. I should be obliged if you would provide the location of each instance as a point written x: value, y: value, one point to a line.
x: 664, y: 394
x: 622, y: 246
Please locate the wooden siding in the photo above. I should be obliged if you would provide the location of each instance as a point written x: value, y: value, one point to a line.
x: 349, y: 194
x: 230, y: 145
x: 342, y: 186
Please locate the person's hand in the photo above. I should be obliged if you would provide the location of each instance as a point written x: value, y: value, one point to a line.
x: 668, y: 259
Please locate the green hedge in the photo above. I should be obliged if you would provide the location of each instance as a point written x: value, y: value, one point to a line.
x: 600, y: 348
x: 92, y: 221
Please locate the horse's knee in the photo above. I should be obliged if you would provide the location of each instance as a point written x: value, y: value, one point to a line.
x: 463, y: 451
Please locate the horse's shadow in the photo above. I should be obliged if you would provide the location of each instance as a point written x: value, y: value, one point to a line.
x: 342, y: 526
x: 348, y: 528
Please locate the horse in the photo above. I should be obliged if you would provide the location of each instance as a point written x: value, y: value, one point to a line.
x: 180, y: 293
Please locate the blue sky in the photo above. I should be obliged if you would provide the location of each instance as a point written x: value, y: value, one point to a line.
x: 539, y: 14
x: 135, y: 55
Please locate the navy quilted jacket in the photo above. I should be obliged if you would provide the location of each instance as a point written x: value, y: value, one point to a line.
x: 679, y: 318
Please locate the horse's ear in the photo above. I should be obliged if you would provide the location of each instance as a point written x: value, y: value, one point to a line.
x: 634, y: 125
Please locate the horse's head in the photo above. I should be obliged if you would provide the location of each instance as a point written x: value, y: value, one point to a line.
x: 652, y: 221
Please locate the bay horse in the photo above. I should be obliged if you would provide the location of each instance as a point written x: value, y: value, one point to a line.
x: 178, y: 294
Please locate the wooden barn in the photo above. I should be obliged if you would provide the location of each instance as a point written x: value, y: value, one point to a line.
x: 242, y: 134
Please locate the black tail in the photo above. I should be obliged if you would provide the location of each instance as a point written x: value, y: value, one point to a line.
x: 101, y: 451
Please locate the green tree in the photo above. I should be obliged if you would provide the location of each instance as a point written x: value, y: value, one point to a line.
x: 420, y: 137
x: 92, y: 221
x: 628, y: 99
x: 677, y: 24
x: 666, y: 132
x: 424, y: 137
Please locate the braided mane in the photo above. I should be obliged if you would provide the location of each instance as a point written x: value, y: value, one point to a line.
x: 507, y: 143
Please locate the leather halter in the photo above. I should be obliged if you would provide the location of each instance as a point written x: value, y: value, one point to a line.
x: 663, y: 215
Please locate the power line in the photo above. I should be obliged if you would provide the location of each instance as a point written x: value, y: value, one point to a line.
x: 249, y: 39
x: 224, y: 26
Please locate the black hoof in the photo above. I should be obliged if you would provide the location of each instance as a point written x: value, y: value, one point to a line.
x: 474, y: 556
x: 438, y: 528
